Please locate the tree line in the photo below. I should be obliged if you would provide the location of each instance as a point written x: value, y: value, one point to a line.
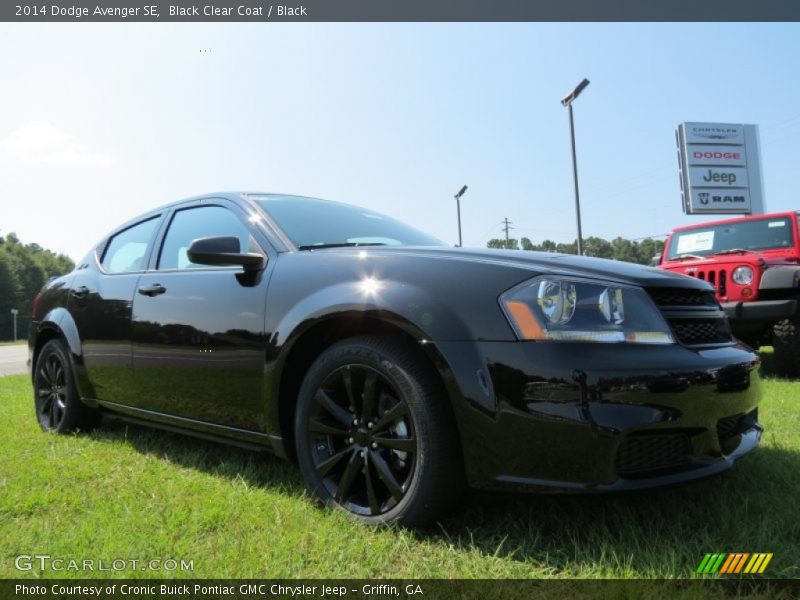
x: 24, y: 269
x: 635, y: 251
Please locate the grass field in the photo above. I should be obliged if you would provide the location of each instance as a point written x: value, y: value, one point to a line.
x: 128, y: 492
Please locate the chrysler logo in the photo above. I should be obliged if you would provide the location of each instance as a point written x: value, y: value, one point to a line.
x: 715, y: 133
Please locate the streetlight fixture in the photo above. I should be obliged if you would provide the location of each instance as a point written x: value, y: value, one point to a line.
x: 458, y: 208
x: 567, y: 101
x: 14, y: 313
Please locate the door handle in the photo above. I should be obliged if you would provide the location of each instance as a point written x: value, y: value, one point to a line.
x: 152, y: 290
x: 80, y: 292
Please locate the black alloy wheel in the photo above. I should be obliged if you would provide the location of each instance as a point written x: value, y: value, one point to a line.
x: 362, y: 440
x: 51, y: 392
x: 374, y: 436
x: 58, y: 407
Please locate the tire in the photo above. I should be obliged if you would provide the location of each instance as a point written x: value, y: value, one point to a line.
x: 404, y: 466
x: 786, y: 341
x: 59, y: 409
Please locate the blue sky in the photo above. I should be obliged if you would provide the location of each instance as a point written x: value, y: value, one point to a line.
x: 100, y: 122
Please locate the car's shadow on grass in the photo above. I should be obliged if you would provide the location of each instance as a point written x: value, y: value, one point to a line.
x: 660, y: 531
x: 768, y: 368
x: 260, y: 469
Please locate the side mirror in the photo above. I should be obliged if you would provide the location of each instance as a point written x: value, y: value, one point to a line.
x: 655, y: 261
x: 223, y: 251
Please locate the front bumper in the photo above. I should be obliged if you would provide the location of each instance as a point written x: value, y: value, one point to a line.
x: 760, y: 311
x: 597, y: 417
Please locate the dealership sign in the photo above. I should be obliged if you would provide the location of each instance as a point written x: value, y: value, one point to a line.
x: 720, y: 168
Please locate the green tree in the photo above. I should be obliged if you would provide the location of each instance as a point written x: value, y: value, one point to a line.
x: 513, y: 244
x: 24, y: 269
x: 640, y: 252
x: 595, y: 246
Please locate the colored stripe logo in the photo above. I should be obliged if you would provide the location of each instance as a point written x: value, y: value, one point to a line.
x: 732, y: 563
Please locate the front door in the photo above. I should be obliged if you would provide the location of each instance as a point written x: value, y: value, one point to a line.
x: 198, y: 331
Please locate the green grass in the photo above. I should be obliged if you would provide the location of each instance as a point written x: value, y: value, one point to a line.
x: 136, y: 493
x: 11, y: 343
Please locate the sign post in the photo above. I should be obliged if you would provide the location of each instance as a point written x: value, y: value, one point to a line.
x: 14, y: 313
x: 720, y: 168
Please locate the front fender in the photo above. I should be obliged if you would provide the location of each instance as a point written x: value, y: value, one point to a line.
x: 780, y: 278
x: 407, y: 306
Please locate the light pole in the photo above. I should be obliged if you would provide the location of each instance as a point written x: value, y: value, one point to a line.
x: 458, y: 208
x: 567, y: 101
x: 14, y: 313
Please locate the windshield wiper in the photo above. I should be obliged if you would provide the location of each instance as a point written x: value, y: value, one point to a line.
x: 688, y: 256
x: 734, y: 251
x: 339, y: 245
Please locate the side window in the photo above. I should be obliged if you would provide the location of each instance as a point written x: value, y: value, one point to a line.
x: 127, y: 250
x: 191, y: 223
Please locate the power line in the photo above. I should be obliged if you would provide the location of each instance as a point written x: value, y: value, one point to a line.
x: 507, y: 226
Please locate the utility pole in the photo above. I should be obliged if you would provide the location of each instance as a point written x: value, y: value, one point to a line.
x: 14, y: 312
x: 567, y: 101
x: 506, y: 227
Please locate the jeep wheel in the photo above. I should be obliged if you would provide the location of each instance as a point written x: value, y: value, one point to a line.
x: 786, y: 341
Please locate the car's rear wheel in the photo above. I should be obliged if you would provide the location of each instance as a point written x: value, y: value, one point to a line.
x: 374, y: 435
x: 786, y: 342
x: 58, y: 407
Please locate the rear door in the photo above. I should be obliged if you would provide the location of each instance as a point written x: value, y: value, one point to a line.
x: 100, y: 302
x: 198, y: 331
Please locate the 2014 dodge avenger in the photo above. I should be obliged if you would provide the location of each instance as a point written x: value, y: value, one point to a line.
x: 395, y: 370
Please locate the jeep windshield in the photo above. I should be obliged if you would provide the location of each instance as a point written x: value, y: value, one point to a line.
x: 742, y: 236
x: 316, y: 224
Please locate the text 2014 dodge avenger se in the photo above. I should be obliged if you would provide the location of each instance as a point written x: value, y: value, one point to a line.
x: 394, y: 369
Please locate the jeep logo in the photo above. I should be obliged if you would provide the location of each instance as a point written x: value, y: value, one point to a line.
x: 729, y: 178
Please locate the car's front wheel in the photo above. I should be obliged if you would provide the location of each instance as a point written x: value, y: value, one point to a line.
x: 58, y: 407
x: 374, y: 434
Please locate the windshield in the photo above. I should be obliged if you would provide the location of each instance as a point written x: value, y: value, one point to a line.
x: 760, y: 234
x: 310, y: 222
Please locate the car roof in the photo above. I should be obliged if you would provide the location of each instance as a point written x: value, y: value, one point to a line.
x: 238, y: 197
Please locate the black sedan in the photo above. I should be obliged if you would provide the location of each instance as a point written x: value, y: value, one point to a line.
x: 395, y: 370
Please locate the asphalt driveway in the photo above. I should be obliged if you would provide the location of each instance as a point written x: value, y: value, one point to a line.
x: 12, y: 359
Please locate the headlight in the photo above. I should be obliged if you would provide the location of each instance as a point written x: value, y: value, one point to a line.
x: 742, y: 275
x: 552, y: 308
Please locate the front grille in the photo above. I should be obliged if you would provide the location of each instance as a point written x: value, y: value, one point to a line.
x: 683, y: 297
x: 641, y: 454
x: 717, y: 278
x: 695, y: 332
x: 695, y: 316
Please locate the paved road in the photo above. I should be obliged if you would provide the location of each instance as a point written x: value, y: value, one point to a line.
x: 12, y: 359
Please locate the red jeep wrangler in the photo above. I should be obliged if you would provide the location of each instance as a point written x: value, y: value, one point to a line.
x: 754, y: 265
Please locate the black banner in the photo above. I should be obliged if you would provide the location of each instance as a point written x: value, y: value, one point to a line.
x: 400, y: 10
x: 353, y: 589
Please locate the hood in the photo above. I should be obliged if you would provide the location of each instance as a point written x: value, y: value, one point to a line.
x: 764, y: 258
x: 549, y: 263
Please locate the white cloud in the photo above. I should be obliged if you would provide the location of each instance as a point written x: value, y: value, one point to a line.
x: 41, y: 142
